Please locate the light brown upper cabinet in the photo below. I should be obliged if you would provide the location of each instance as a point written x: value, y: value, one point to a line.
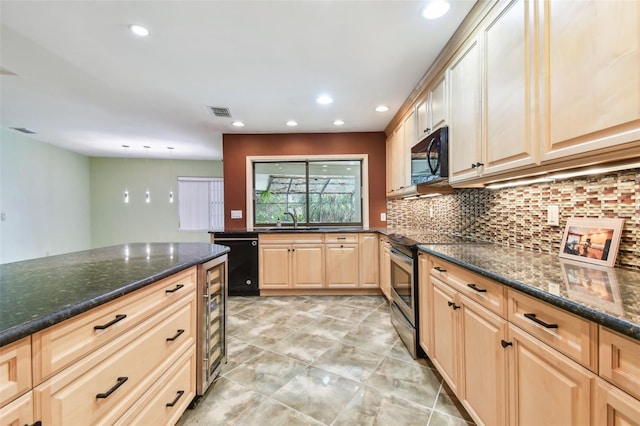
x: 590, y: 84
x: 493, y: 116
x: 432, y: 111
x: 510, y: 117
x: 465, y: 131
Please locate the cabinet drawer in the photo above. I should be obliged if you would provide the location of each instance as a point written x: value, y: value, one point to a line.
x: 620, y: 361
x: 341, y: 238
x: 15, y: 370
x: 102, y: 386
x: 486, y: 292
x: 60, y: 345
x: 19, y: 412
x: 293, y: 238
x: 571, y: 335
x: 168, y: 398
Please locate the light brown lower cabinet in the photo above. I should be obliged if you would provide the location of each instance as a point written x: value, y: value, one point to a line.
x: 613, y: 407
x: 385, y: 267
x: 342, y: 265
x: 483, y: 385
x: 546, y: 387
x: 506, y: 375
x: 19, y: 412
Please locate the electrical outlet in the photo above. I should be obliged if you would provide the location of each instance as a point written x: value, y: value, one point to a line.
x: 553, y: 215
x: 431, y: 212
x: 383, y: 217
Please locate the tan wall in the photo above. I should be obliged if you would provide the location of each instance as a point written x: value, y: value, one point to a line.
x: 518, y: 216
x: 235, y: 149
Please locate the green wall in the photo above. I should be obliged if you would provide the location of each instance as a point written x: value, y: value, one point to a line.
x: 44, y: 198
x: 55, y: 201
x: 116, y: 222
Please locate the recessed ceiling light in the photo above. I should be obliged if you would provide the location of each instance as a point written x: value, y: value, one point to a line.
x: 338, y: 122
x: 139, y: 30
x: 292, y: 123
x: 435, y: 9
x: 382, y: 108
x: 238, y: 124
x: 348, y: 168
x: 324, y: 99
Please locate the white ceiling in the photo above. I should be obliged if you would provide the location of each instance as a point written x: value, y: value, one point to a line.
x: 85, y: 83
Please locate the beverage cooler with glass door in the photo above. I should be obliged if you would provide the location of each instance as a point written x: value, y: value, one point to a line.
x: 211, y: 345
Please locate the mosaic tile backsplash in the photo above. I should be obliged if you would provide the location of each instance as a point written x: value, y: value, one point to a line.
x: 518, y: 216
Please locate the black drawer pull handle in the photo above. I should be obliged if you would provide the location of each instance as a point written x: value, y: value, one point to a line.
x: 533, y: 318
x: 504, y: 343
x: 121, y: 381
x: 342, y: 238
x: 175, y: 401
x: 173, y: 290
x: 439, y: 269
x: 479, y: 290
x: 171, y: 339
x: 453, y: 305
x: 118, y: 318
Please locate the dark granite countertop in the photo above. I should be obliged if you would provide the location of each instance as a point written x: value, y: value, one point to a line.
x: 35, y: 294
x: 607, y: 296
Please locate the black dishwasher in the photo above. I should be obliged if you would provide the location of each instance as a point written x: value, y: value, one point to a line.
x: 243, y: 262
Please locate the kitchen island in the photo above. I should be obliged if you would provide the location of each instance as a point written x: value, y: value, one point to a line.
x: 105, y: 335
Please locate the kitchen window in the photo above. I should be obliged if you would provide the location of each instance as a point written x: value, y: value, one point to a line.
x: 319, y: 192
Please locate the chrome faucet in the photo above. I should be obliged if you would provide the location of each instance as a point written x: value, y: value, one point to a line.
x: 294, y: 217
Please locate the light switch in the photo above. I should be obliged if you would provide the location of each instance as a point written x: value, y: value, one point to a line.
x: 552, y: 215
x: 236, y: 214
x: 383, y: 217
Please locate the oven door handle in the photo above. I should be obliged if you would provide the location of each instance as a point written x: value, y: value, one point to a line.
x: 401, y: 257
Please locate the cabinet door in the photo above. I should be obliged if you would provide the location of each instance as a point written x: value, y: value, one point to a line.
x: 410, y: 137
x: 423, y: 117
x: 445, y: 350
x: 465, y: 135
x: 18, y: 412
x: 425, y: 304
x: 385, y: 268
x: 368, y: 260
x: 390, y: 158
x: 613, y: 407
x: 307, y: 266
x: 342, y: 265
x: 398, y: 168
x: 546, y: 388
x: 509, y: 87
x: 591, y: 58
x: 483, y: 389
x: 275, y: 266
x: 15, y: 369
x: 438, y: 102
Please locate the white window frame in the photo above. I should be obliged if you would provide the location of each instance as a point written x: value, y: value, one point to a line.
x: 358, y: 157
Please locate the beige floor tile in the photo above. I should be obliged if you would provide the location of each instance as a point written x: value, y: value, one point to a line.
x: 349, y: 361
x: 370, y: 407
x: 318, y: 393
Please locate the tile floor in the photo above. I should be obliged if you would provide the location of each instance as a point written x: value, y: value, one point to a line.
x: 330, y: 360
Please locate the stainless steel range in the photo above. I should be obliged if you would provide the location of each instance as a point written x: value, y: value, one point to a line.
x: 404, y: 282
x: 404, y: 292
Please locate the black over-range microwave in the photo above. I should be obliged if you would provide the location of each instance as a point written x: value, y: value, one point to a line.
x: 430, y: 158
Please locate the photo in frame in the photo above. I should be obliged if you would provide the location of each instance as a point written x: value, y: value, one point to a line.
x: 592, y: 240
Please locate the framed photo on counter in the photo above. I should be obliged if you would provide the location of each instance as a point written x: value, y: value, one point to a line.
x: 592, y: 240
